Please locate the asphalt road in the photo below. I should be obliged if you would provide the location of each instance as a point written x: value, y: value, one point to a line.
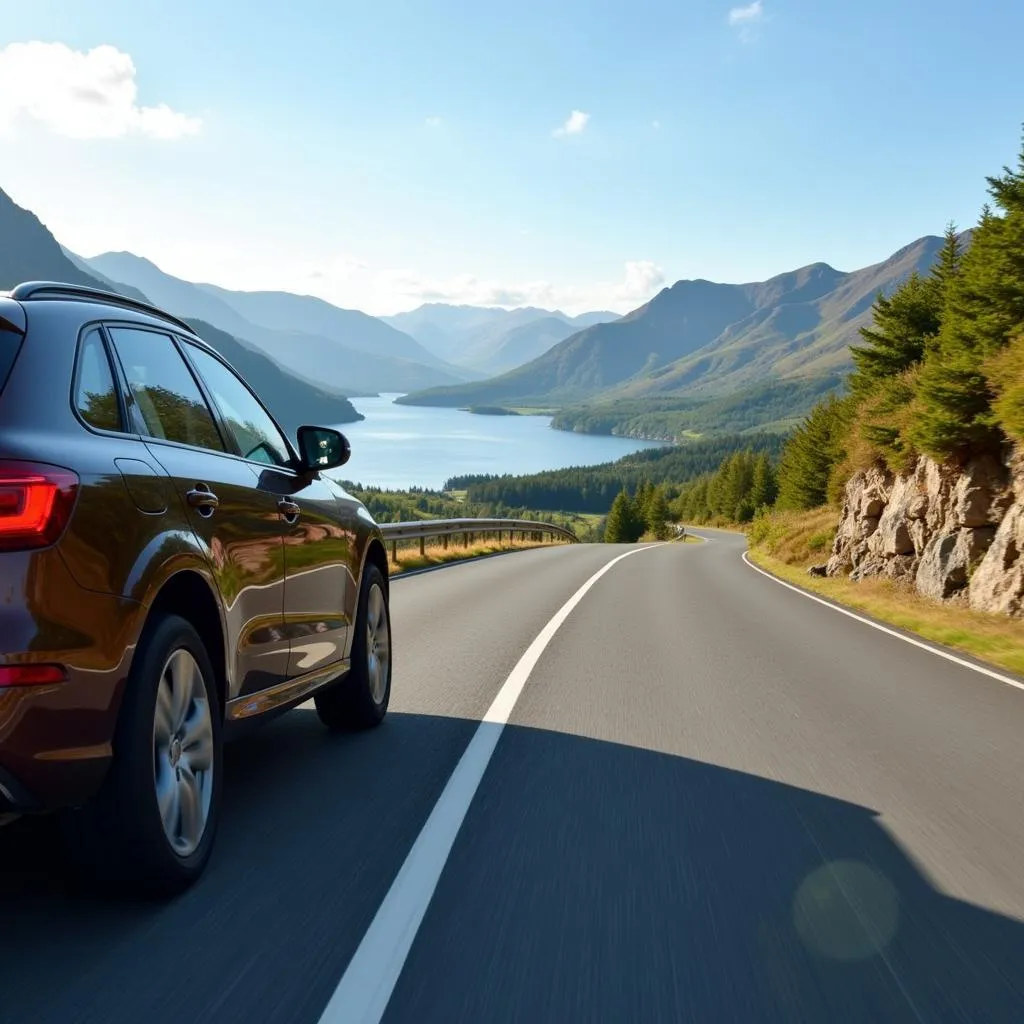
x: 714, y: 800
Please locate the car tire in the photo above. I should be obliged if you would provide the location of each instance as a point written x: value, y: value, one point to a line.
x: 167, y: 768
x: 360, y: 700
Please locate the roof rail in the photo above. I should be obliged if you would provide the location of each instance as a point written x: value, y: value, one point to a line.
x: 43, y: 289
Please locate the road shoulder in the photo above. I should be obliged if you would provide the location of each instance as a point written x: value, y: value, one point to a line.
x: 991, y: 644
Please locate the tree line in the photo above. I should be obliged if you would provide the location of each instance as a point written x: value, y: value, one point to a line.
x: 743, y: 484
x: 592, y: 489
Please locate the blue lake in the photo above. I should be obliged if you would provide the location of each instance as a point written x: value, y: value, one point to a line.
x: 401, y: 446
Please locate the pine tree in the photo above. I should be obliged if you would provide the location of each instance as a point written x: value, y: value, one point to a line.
x: 657, y: 514
x: 812, y: 453
x: 764, y: 488
x: 692, y: 504
x: 984, y: 310
x: 624, y: 525
x: 738, y: 479
x: 644, y: 492
x: 902, y: 326
x: 948, y: 261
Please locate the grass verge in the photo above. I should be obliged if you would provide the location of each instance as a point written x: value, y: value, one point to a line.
x: 436, y: 554
x: 787, y: 543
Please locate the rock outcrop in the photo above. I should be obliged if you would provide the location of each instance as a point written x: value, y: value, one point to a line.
x: 955, y: 532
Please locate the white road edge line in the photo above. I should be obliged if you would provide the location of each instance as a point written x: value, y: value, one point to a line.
x: 1008, y: 680
x: 365, y: 988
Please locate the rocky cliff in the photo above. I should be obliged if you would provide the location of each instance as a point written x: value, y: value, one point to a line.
x: 956, y: 532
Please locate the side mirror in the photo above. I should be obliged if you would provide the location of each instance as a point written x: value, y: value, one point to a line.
x: 322, y: 448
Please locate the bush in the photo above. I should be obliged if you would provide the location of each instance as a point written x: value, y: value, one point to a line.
x: 796, y: 538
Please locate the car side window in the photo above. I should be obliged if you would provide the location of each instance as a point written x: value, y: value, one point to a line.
x: 95, y: 388
x: 168, y: 400
x: 247, y: 421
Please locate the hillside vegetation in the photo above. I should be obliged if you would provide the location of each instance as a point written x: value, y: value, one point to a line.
x: 777, y: 406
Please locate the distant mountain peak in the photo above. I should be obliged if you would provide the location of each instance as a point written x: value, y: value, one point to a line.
x: 702, y: 335
x: 125, y: 255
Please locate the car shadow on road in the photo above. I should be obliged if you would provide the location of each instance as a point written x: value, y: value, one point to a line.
x: 591, y: 881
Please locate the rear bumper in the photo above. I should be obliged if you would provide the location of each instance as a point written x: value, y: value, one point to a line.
x: 55, y: 739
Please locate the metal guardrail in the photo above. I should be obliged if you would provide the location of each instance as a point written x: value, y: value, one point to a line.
x: 443, y: 529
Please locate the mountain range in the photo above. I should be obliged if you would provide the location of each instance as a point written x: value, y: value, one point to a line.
x: 489, y: 340
x: 701, y: 338
x: 696, y: 341
x: 345, y: 349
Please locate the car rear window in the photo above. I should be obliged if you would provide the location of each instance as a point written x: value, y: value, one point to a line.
x: 9, y: 345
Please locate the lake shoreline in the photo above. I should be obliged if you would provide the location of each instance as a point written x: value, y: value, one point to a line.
x: 405, y: 447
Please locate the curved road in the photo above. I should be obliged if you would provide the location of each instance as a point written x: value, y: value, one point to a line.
x: 713, y: 800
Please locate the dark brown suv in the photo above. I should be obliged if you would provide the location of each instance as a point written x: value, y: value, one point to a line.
x: 171, y: 568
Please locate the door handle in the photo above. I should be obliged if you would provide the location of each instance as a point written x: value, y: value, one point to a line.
x: 202, y: 499
x: 289, y: 509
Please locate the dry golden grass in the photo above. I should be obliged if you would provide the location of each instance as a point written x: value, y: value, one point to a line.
x: 409, y: 557
x: 795, y: 538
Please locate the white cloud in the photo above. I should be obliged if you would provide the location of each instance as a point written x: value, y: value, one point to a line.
x: 643, y: 279
x: 349, y: 282
x: 574, y: 124
x: 746, y: 20
x: 81, y: 95
x: 655, y: 124
x: 432, y: 122
x: 745, y: 15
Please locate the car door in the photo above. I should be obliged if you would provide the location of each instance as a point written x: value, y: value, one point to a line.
x: 319, y: 591
x: 236, y: 520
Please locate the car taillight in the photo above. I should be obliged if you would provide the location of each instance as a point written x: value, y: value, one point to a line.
x: 35, y: 504
x: 31, y: 675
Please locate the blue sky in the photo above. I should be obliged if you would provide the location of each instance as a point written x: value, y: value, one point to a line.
x: 380, y: 154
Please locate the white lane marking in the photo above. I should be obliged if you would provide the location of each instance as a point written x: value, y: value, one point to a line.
x: 365, y: 988
x: 891, y: 632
